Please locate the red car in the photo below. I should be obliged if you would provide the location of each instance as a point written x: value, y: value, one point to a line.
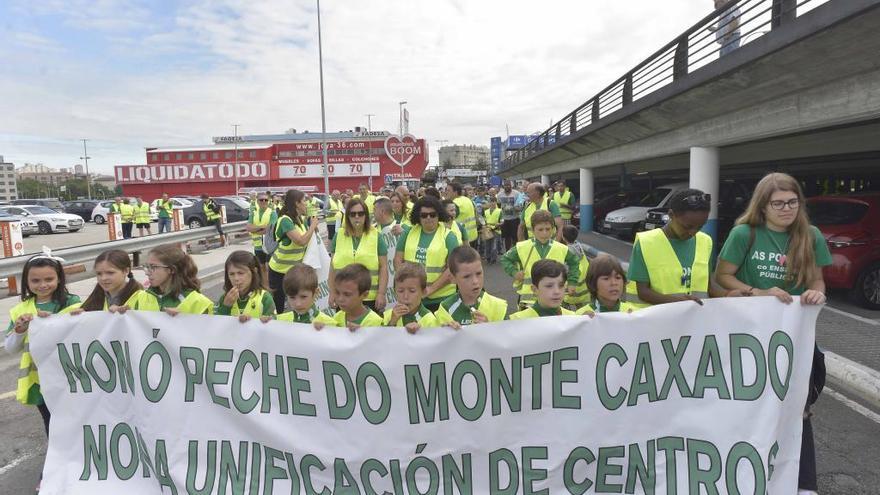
x: 851, y: 226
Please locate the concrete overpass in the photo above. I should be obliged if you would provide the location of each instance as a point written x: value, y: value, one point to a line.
x: 804, y: 84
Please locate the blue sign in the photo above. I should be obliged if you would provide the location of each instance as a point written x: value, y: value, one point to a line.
x: 389, y: 178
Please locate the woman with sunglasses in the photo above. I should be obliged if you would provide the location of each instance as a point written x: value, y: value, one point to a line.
x: 359, y: 242
x: 261, y: 216
x: 774, y: 251
x: 673, y: 263
x: 428, y: 242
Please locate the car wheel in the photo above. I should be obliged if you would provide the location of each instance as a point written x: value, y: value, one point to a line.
x: 867, y: 289
x: 98, y: 219
x: 638, y: 228
x: 45, y: 228
x: 195, y: 223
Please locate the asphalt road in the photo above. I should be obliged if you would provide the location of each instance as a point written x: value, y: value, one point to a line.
x: 90, y: 234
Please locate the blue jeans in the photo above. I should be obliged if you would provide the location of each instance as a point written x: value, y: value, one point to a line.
x: 164, y: 225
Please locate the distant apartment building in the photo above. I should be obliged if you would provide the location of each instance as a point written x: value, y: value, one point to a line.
x: 43, y: 174
x: 8, y: 183
x: 464, y: 156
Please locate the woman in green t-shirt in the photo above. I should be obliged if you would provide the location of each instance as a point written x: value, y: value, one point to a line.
x: 774, y: 251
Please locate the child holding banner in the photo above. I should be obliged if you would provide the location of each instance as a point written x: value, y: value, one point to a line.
x: 410, y: 283
x: 470, y: 303
x: 243, y: 294
x: 43, y: 292
x: 174, y: 282
x: 117, y: 290
x: 606, y: 281
x: 350, y: 287
x: 548, y: 285
x: 301, y: 288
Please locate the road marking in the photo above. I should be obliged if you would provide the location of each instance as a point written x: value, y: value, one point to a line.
x: 16, y: 462
x: 856, y: 317
x: 855, y: 406
x: 7, y: 395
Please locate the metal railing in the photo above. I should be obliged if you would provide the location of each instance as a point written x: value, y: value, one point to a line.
x: 726, y: 29
x: 12, y: 267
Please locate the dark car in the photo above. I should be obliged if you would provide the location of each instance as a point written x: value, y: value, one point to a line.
x: 237, y: 210
x: 734, y: 199
x: 52, y: 203
x: 851, y: 226
x: 613, y: 201
x: 83, y: 208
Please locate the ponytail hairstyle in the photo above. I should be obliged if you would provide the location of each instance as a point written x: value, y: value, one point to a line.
x: 59, y: 295
x: 184, y: 272
x: 247, y: 260
x: 119, y: 259
x: 801, y: 257
x: 291, y: 198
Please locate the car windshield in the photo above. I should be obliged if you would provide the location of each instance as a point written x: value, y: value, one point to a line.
x: 654, y: 197
x: 836, y: 212
x: 183, y: 202
x: 40, y: 210
x: 240, y: 203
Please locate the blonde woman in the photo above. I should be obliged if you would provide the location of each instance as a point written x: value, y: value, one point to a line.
x: 774, y: 251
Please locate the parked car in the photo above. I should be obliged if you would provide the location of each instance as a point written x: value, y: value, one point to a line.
x: 851, y: 226
x: 176, y: 203
x: 81, y: 207
x: 608, y: 202
x: 52, y: 203
x: 237, y: 210
x: 102, y: 209
x: 28, y: 226
x: 630, y: 220
x: 734, y: 197
x: 48, y: 220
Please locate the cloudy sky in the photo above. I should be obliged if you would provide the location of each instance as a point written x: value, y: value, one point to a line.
x: 129, y: 74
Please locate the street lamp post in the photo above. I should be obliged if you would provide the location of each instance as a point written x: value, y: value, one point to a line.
x: 323, y: 115
x: 235, y: 147
x: 85, y: 158
x: 369, y: 117
x: 400, y: 125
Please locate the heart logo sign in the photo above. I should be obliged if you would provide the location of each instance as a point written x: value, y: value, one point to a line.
x: 402, y: 150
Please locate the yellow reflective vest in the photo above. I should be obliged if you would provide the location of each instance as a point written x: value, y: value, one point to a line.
x: 665, y: 271
x: 494, y: 308
x: 530, y: 210
x: 528, y: 256
x: 582, y: 292
x: 142, y: 213
x: 367, y: 254
x: 531, y: 313
x: 435, y: 260
x: 493, y: 219
x: 260, y: 220
x: 285, y: 256
x: 467, y: 215
x: 127, y: 212
x: 563, y: 199
x: 210, y: 214
x: 254, y: 306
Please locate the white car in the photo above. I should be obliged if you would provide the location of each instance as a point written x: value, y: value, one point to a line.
x: 102, y: 209
x: 48, y: 220
x: 630, y: 220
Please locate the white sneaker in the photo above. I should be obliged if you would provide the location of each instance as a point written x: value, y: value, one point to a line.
x: 807, y: 492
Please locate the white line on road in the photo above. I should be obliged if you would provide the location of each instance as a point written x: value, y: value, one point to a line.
x: 862, y: 319
x: 7, y: 395
x: 16, y: 462
x: 855, y: 406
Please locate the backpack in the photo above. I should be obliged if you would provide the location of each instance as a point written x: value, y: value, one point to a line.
x: 270, y: 240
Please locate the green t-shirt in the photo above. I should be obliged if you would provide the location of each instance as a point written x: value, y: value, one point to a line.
x: 684, y: 251
x: 511, y: 263
x: 368, y: 319
x: 458, y: 310
x: 356, y: 241
x: 763, y: 266
x: 164, y: 211
x: 50, y: 307
x: 267, y: 302
x: 424, y: 241
x: 285, y: 225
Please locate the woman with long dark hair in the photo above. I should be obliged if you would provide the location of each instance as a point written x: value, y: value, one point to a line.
x: 294, y: 231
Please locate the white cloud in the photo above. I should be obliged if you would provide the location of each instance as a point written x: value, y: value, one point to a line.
x: 466, y: 69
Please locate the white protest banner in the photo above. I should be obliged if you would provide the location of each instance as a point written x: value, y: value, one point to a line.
x: 679, y: 398
x: 318, y: 258
x: 391, y: 242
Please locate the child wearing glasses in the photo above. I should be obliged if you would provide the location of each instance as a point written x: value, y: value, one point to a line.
x: 174, y: 282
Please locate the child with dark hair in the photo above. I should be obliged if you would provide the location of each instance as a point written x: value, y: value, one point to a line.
x: 548, y: 285
x: 174, y: 282
x: 301, y: 287
x: 410, y: 282
x: 116, y: 290
x: 577, y: 295
x: 244, y: 295
x: 606, y: 281
x: 350, y: 287
x: 471, y: 303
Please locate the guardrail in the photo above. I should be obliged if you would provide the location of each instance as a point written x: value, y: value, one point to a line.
x: 726, y: 29
x: 12, y: 267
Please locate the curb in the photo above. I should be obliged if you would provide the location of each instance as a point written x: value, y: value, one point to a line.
x: 858, y: 379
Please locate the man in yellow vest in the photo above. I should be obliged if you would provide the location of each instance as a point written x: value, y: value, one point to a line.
x: 127, y: 212
x: 519, y: 260
x: 467, y: 212
x: 165, y: 210
x: 367, y: 197
x: 142, y: 216
x: 492, y: 240
x: 259, y: 220
x: 334, y: 213
x: 565, y: 200
x: 674, y: 263
x: 212, y: 216
x: 538, y: 200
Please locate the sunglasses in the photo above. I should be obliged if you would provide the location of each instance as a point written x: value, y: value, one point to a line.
x: 698, y: 200
x: 357, y: 213
x: 428, y: 214
x: 262, y: 200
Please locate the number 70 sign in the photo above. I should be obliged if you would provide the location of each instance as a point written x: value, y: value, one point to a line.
x: 334, y: 170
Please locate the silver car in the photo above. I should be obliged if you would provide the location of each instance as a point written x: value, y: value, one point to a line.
x: 28, y: 226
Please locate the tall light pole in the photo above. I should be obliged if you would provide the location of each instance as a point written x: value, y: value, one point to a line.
x: 369, y: 117
x: 400, y: 126
x: 323, y: 116
x: 85, y: 158
x: 235, y: 147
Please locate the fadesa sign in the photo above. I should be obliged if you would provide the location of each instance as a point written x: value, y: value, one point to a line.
x: 190, y: 172
x: 401, y: 150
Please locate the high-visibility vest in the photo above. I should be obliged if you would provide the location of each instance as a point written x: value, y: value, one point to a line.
x: 115, y: 208
x: 493, y: 218
x: 165, y: 206
x: 317, y: 317
x: 427, y: 320
x: 563, y: 199
x: 194, y: 303
x: 127, y: 212
x: 210, y: 215
x: 142, y: 213
x: 254, y: 306
x: 312, y: 207
x: 435, y: 259
x: 528, y: 256
x: 582, y: 292
x: 531, y: 313
x: 287, y: 255
x: 590, y: 309
x: 336, y: 209
x: 467, y: 215
x: 27, y: 370
x: 140, y: 300
x: 494, y: 308
x: 456, y: 230
x: 665, y: 271
x: 530, y: 210
x: 367, y: 254
x: 260, y: 220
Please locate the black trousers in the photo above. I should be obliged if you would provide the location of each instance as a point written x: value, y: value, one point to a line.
x: 44, y: 412
x: 509, y: 230
x: 807, y: 479
x: 276, y: 281
x: 126, y: 230
x: 331, y: 230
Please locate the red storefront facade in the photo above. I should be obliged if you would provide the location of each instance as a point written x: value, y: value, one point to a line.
x: 276, y: 162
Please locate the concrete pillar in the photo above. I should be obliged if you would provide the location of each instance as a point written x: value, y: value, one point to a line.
x: 586, y: 199
x: 705, y: 175
x: 545, y: 179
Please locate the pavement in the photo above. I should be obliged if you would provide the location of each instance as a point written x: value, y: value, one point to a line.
x: 847, y: 427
